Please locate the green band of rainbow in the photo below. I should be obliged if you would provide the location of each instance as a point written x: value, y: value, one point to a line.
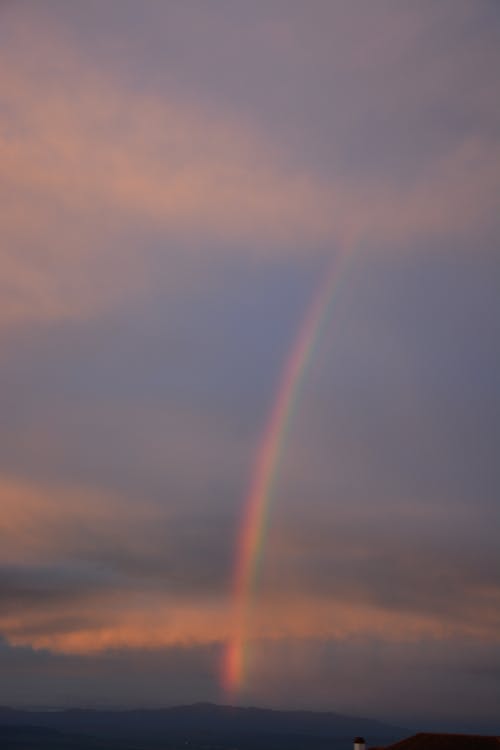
x: 264, y: 477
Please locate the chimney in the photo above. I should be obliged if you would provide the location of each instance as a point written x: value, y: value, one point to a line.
x: 359, y: 743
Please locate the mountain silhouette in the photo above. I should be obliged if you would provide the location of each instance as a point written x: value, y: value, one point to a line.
x: 201, y: 726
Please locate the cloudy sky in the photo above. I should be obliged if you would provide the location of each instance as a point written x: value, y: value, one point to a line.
x: 176, y: 179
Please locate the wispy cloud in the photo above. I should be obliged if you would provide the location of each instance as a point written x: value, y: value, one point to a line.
x: 87, y: 160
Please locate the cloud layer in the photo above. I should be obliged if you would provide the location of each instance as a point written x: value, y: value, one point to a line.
x: 81, y: 173
x: 174, y: 183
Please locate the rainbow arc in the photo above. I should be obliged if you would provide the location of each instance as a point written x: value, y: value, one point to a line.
x: 263, y: 481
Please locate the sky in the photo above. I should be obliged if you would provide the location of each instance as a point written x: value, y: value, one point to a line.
x: 177, y: 180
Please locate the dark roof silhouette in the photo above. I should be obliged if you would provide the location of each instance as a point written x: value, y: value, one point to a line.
x: 428, y: 741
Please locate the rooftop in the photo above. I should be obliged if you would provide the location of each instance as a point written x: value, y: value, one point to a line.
x: 427, y: 741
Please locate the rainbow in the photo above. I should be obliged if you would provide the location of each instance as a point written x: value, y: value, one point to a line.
x: 260, y: 492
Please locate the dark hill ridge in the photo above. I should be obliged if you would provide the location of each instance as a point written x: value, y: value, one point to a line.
x: 41, y: 738
x: 206, y: 725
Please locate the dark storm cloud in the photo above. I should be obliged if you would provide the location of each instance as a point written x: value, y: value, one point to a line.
x: 426, y: 682
x: 420, y: 684
x: 29, y: 586
x: 130, y: 678
x: 123, y: 547
x: 400, y: 570
x: 185, y: 555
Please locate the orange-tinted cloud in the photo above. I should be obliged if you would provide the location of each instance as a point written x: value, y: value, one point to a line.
x: 87, y: 160
x: 78, y: 577
x: 41, y: 521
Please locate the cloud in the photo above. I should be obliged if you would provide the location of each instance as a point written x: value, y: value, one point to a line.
x: 128, y: 678
x: 141, y: 576
x: 164, y: 223
x: 83, y: 570
x: 420, y: 683
x: 82, y: 173
x: 112, y: 539
x: 45, y: 520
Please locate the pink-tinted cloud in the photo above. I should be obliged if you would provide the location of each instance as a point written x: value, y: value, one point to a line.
x: 86, y: 160
x: 110, y: 591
